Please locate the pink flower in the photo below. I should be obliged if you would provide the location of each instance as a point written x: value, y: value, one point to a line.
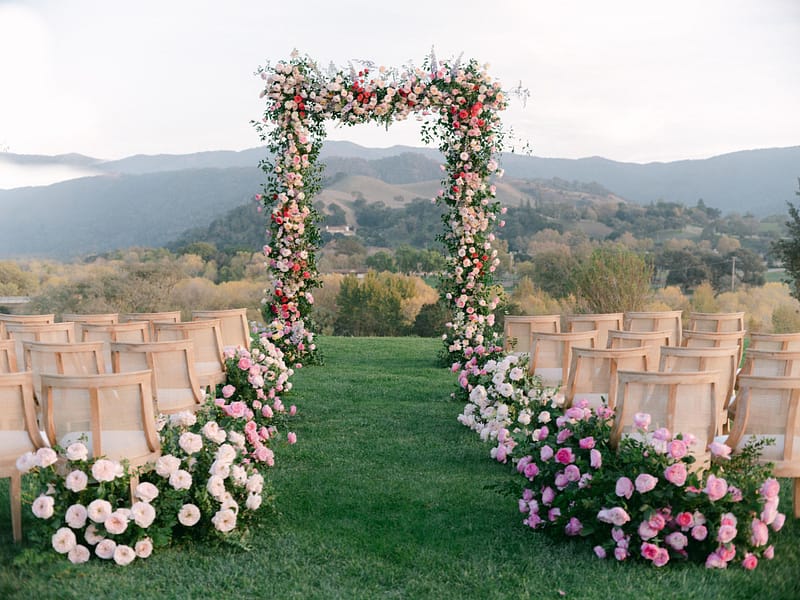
x: 777, y: 524
x: 624, y: 487
x: 758, y: 533
x: 726, y: 534
x: 565, y: 456
x: 620, y: 553
x: 561, y: 480
x: 727, y: 553
x: 662, y: 557
x: 586, y: 443
x: 714, y: 561
x: 676, y: 540
x: 677, y: 449
x: 599, y: 551
x: 684, y: 520
x: 266, y: 411
x: 649, y: 551
x: 716, y: 487
x: 548, y: 495
x: 662, y: 434
x: 228, y: 391
x: 291, y: 437
x: 573, y: 527
x: 645, y: 482
x: 770, y: 488
x: 545, y: 453
x: 563, y: 436
x: 749, y: 561
x: 616, y: 516
x: 595, y: 458
x: 676, y: 474
x: 245, y: 363
x: 769, y: 552
x: 657, y: 521
x: 699, y: 532
x: 645, y: 531
x: 292, y: 410
x: 728, y: 519
x: 641, y: 421
x: 720, y: 450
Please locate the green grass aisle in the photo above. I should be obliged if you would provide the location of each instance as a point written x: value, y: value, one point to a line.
x: 384, y: 497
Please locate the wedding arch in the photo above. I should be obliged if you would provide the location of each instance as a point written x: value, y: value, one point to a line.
x: 459, y: 104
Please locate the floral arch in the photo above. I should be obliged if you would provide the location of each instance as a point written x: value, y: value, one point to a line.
x: 459, y: 103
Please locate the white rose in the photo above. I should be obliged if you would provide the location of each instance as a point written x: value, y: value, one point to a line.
x: 116, y: 523
x: 124, y: 555
x: 143, y: 514
x: 92, y: 535
x: 225, y: 453
x: 146, y: 492
x: 46, y: 456
x: 99, y: 510
x: 78, y: 555
x: 63, y: 540
x: 220, y: 469
x: 43, y: 506
x: 77, y: 451
x: 105, y: 470
x: 76, y: 516
x: 144, y: 548
x: 224, y: 520
x: 167, y: 464
x: 238, y: 475
x: 253, y: 501
x: 189, y: 515
x: 180, y: 480
x: 105, y: 549
x: 255, y: 484
x: 544, y: 417
x: 76, y: 481
x: 216, y: 486
x: 26, y: 462
x: 190, y: 442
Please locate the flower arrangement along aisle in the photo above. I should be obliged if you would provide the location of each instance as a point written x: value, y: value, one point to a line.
x: 209, y: 481
x: 461, y: 103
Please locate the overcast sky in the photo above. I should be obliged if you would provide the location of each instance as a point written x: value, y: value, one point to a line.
x: 624, y: 79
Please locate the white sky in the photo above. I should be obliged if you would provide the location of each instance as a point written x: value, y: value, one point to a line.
x: 626, y: 79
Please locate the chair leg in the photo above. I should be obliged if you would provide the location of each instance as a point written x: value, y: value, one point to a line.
x: 15, y: 495
x: 133, y: 483
x: 796, y: 498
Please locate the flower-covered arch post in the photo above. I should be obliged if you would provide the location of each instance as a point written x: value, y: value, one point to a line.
x: 459, y: 103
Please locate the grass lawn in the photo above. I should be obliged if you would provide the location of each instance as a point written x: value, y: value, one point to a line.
x: 385, y: 496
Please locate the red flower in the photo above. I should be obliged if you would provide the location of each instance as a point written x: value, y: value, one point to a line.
x: 462, y: 114
x: 298, y: 99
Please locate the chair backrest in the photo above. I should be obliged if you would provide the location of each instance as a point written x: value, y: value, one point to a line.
x: 665, y: 320
x: 131, y: 331
x: 710, y: 339
x: 57, y: 333
x: 19, y: 432
x: 175, y: 384
x: 716, y: 322
x: 769, y: 407
x: 113, y: 411
x: 96, y: 318
x: 651, y: 340
x: 517, y: 330
x: 602, y: 322
x: 593, y: 373
x: 683, y: 402
x: 235, y: 330
x: 167, y: 316
x: 27, y: 319
x: 79, y: 358
x: 771, y: 363
x: 774, y: 341
x: 208, y: 350
x: 551, y: 354
x: 724, y: 360
x: 8, y: 356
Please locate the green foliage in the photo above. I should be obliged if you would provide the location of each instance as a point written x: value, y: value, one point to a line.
x: 788, y: 249
x: 431, y: 319
x: 613, y: 280
x: 373, y: 305
x: 381, y: 261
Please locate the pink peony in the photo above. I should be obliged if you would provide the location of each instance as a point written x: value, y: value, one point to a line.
x: 676, y: 474
x: 716, y: 488
x: 645, y: 482
x: 624, y: 487
x: 565, y: 456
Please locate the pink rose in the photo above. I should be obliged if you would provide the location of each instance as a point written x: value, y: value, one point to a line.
x: 699, y: 532
x: 758, y: 533
x: 716, y: 488
x: 548, y: 495
x: 245, y: 363
x: 291, y: 437
x: 662, y: 434
x: 292, y: 410
x: 561, y: 480
x: 572, y: 473
x: 770, y: 488
x: 662, y: 557
x: 553, y: 514
x: 228, y: 391
x: 728, y: 519
x: 645, y: 531
x: 501, y: 454
x: 573, y: 527
x: 727, y: 553
x: 599, y: 551
x: 595, y: 458
x: 574, y: 412
x: 720, y: 450
x: 624, y: 487
x: 726, y: 534
x: 749, y: 561
x: 641, y: 420
x: 616, y: 516
x: 620, y: 553
x: 676, y: 540
x: 677, y: 449
x: 545, y: 453
x: 684, y: 520
x: 676, y: 474
x: 649, y: 551
x: 586, y: 443
x: 563, y: 436
x: 777, y: 523
x: 266, y: 411
x: 565, y: 456
x: 769, y: 552
x: 645, y: 482
x: 714, y: 561
x: 657, y: 521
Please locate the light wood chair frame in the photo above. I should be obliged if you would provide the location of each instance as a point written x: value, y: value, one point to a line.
x: 613, y: 356
x: 669, y: 320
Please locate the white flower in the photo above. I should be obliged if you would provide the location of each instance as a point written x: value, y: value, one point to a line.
x: 189, y: 515
x: 99, y: 510
x: 478, y: 395
x: 255, y: 484
x: 92, y: 535
x: 146, y: 492
x: 238, y: 475
x: 116, y: 523
x: 253, y: 501
x: 124, y: 555
x: 237, y: 439
x: 544, y: 417
x: 225, y: 454
x: 43, y: 506
x: 505, y: 389
x: 63, y: 540
x: 224, y: 520
x: 216, y: 486
x: 227, y: 501
x: 46, y: 456
x: 105, y: 470
x: 105, y: 548
x: 524, y: 417
x: 516, y: 374
x: 190, y: 442
x: 213, y: 432
x: 76, y: 481
x: 220, y: 469
x: 180, y: 480
x: 26, y: 462
x: 183, y: 419
x: 144, y: 548
x: 167, y: 464
x: 76, y: 516
x: 79, y: 554
x: 143, y: 514
x: 77, y: 451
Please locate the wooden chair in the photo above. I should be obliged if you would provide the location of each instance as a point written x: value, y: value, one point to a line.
x: 235, y: 330
x: 174, y: 381
x: 27, y: 319
x: 517, y: 330
x: 167, y: 316
x: 710, y: 339
x: 94, y: 319
x: 769, y: 407
x: 57, y: 333
x: 774, y: 341
x: 666, y: 320
x: 771, y: 363
x: 602, y: 322
x: 551, y: 354
x: 593, y: 374
x: 80, y: 358
x: 131, y: 331
x: 114, y: 411
x: 19, y: 433
x: 724, y: 360
x: 683, y: 402
x: 206, y: 338
x: 8, y: 356
x: 651, y: 340
x: 716, y: 322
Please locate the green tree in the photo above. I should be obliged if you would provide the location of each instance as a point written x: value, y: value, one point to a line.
x: 613, y: 279
x: 787, y: 249
x: 381, y: 261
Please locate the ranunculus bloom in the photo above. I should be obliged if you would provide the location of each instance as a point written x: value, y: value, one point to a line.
x: 676, y: 474
x: 76, y: 481
x: 63, y: 540
x: 624, y: 487
x: 645, y: 482
x: 189, y: 515
x: 124, y: 555
x: 716, y: 487
x: 759, y: 534
x: 43, y: 506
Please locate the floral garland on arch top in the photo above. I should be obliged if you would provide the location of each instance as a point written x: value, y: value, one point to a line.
x: 459, y: 102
